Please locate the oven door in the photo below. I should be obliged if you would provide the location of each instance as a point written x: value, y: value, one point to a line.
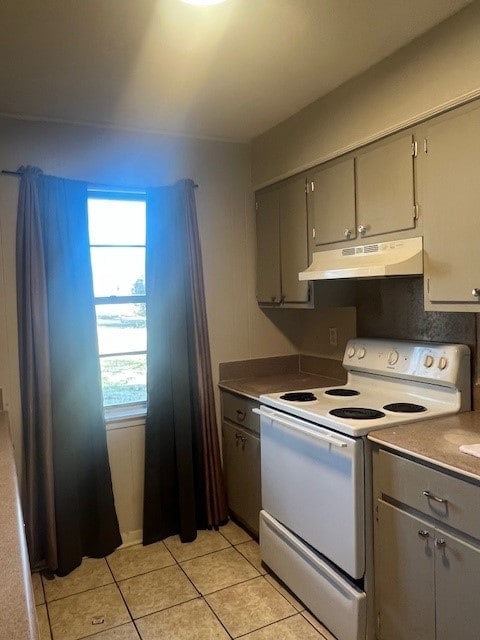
x: 313, y: 483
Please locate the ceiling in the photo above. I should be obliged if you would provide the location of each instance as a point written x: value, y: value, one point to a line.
x: 229, y: 71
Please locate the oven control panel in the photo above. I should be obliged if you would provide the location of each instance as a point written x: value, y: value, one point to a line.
x: 428, y: 361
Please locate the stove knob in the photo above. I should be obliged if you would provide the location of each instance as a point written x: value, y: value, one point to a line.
x: 351, y: 352
x: 393, y: 357
x: 428, y: 361
x: 361, y: 352
x: 442, y: 363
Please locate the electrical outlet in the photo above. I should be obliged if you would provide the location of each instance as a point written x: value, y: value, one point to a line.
x: 332, y: 332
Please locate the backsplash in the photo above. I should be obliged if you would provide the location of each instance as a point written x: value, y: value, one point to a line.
x: 393, y: 308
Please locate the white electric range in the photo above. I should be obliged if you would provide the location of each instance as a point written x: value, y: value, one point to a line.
x: 316, y: 519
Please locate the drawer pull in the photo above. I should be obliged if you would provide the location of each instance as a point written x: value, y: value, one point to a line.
x: 241, y: 415
x: 240, y: 438
x: 432, y: 496
x: 423, y: 534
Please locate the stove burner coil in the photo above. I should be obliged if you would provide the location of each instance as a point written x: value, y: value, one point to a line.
x: 357, y: 413
x: 342, y: 392
x: 299, y: 396
x: 404, y: 407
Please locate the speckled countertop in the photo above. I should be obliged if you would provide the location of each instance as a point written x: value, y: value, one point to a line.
x: 17, y: 610
x: 437, y: 441
x: 253, y: 387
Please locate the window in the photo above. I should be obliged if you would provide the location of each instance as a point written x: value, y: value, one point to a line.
x: 116, y: 224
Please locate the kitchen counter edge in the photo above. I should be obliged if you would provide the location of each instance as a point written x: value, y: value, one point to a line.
x: 437, y: 441
x: 17, y: 605
x: 254, y: 387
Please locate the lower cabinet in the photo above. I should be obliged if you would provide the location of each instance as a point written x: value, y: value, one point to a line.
x: 427, y: 576
x: 241, y: 459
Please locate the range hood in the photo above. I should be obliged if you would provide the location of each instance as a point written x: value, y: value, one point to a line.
x: 381, y: 259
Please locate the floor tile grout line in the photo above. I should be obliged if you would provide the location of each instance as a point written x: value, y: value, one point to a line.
x: 199, y: 596
x: 235, y: 584
x: 282, y: 594
x: 247, y: 559
x: 270, y: 624
x: 144, y: 573
x: 217, y: 618
x: 305, y: 618
x: 77, y: 593
x: 97, y: 633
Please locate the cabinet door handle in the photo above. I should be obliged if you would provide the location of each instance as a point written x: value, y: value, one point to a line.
x: 423, y: 534
x: 432, y: 496
x: 347, y: 233
x: 440, y: 542
x: 476, y: 292
x: 241, y: 415
x: 362, y: 229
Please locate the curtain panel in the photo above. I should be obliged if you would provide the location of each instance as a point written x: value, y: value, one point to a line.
x: 184, y: 489
x: 70, y: 508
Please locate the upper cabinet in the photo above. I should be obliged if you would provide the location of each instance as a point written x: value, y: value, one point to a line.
x: 449, y: 172
x: 368, y: 193
x: 331, y: 202
x: 385, y: 186
x: 282, y: 243
x: 268, y: 246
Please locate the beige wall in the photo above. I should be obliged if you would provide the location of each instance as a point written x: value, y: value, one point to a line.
x: 427, y: 75
x: 238, y: 328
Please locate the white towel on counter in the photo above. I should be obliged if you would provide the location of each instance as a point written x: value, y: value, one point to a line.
x: 471, y: 449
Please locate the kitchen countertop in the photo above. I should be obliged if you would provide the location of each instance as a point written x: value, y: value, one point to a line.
x: 17, y: 608
x: 437, y: 441
x: 253, y: 387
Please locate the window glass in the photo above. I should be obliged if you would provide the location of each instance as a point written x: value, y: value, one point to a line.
x: 117, y: 251
x: 121, y: 328
x: 124, y: 379
x: 118, y: 271
x: 116, y: 221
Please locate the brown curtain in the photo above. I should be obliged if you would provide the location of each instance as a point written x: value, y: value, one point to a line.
x: 35, y: 386
x: 184, y: 488
x: 70, y: 511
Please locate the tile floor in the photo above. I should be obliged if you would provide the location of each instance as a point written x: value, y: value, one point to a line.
x: 214, y: 588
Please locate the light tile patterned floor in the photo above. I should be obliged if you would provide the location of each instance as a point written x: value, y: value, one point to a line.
x: 214, y: 588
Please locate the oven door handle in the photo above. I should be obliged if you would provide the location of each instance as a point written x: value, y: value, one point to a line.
x: 293, y: 426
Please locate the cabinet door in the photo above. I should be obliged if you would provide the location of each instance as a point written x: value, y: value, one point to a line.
x: 385, y: 187
x: 241, y: 463
x: 457, y: 571
x: 331, y: 202
x: 452, y: 208
x: 268, y: 246
x: 293, y: 239
x: 404, y: 576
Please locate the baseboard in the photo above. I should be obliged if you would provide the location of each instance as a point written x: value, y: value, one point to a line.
x: 130, y: 538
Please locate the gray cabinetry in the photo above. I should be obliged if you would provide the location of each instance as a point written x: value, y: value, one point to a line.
x: 371, y: 192
x: 450, y: 200
x: 241, y: 459
x: 404, y: 575
x: 385, y: 186
x: 268, y: 246
x: 282, y: 243
x: 331, y: 202
x: 427, y: 552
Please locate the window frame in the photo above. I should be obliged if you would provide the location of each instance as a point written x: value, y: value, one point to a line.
x: 130, y: 413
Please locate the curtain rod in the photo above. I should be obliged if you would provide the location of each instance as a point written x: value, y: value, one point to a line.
x: 20, y: 173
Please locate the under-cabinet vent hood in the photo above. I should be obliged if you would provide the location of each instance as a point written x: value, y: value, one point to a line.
x: 395, y: 258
